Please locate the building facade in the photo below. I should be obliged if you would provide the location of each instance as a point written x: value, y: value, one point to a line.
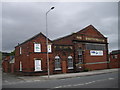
x: 85, y: 49
x: 115, y: 59
x: 8, y: 64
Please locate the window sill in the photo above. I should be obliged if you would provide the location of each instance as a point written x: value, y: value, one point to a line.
x: 58, y: 69
x: 70, y: 68
x: 38, y: 70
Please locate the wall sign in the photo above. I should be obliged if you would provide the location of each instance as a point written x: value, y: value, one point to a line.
x: 79, y: 37
x: 96, y: 53
x: 37, y: 47
x: 95, y: 39
x: 65, y: 48
x: 49, y: 48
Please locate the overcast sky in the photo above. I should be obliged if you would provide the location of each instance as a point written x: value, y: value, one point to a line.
x: 22, y: 20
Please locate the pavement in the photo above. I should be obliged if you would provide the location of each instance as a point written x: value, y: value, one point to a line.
x: 8, y: 78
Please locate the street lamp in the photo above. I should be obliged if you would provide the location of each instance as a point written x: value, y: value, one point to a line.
x: 48, y: 66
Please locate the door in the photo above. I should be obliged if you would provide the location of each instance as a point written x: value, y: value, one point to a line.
x: 38, y: 65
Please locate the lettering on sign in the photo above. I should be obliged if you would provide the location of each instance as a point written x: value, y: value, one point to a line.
x: 95, y: 39
x: 69, y: 48
x: 79, y: 37
x: 96, y: 53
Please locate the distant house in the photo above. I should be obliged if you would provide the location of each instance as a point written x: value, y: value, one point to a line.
x: 8, y: 64
x: 115, y: 59
x: 87, y: 48
x: 4, y: 54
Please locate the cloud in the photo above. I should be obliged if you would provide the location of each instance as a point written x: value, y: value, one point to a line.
x: 21, y: 21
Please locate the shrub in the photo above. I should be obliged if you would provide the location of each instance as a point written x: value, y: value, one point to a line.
x: 86, y: 70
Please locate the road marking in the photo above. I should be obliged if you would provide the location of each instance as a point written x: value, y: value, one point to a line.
x: 101, y: 80
x: 58, y: 87
x: 78, y: 84
x: 28, y: 81
x: 111, y: 78
x: 82, y: 83
x: 88, y: 82
x: 36, y: 80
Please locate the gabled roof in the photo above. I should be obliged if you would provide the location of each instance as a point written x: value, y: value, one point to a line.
x: 90, y: 28
x: 83, y: 31
x: 63, y: 37
x: 35, y: 36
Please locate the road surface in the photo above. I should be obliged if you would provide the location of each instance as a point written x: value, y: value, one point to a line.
x: 109, y: 80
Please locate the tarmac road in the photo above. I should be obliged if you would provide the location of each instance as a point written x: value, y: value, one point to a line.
x: 108, y: 80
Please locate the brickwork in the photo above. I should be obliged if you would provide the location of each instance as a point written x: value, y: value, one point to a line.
x: 115, y: 59
x: 71, y: 45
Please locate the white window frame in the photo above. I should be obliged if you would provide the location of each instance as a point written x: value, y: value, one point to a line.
x: 57, y: 57
x: 69, y: 67
x: 20, y: 66
x: 20, y: 50
x: 38, y: 62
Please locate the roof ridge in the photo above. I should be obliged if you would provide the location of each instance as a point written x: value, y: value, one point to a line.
x: 40, y: 33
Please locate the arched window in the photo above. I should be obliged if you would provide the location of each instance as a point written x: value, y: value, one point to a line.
x: 70, y: 62
x: 57, y: 63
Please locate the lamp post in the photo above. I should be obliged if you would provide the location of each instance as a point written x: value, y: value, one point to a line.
x: 48, y: 66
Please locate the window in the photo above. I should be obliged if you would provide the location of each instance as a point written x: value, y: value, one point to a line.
x: 20, y: 50
x: 114, y: 56
x: 90, y: 46
x: 80, y: 57
x: 37, y: 47
x: 20, y: 66
x: 57, y: 63
x: 38, y: 65
x: 70, y: 62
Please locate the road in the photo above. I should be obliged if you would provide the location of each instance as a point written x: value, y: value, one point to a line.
x: 109, y: 80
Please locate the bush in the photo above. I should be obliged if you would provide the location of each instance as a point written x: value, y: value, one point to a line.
x: 86, y: 70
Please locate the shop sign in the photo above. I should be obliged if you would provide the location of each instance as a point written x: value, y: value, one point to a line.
x: 96, y: 53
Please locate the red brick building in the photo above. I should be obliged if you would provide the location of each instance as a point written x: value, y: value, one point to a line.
x: 87, y: 48
x: 115, y: 59
x: 30, y: 56
x: 8, y: 64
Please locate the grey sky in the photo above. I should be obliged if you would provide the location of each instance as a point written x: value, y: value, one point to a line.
x: 22, y: 20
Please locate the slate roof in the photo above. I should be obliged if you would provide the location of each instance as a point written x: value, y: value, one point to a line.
x: 82, y: 31
x: 35, y: 36
x: 115, y: 52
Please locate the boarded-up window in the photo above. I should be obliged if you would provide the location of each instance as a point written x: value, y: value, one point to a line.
x: 38, y: 65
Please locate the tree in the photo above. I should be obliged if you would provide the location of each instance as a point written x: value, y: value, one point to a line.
x: 12, y: 53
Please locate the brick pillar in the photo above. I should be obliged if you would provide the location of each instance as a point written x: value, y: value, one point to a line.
x: 64, y: 69
x: 12, y: 68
